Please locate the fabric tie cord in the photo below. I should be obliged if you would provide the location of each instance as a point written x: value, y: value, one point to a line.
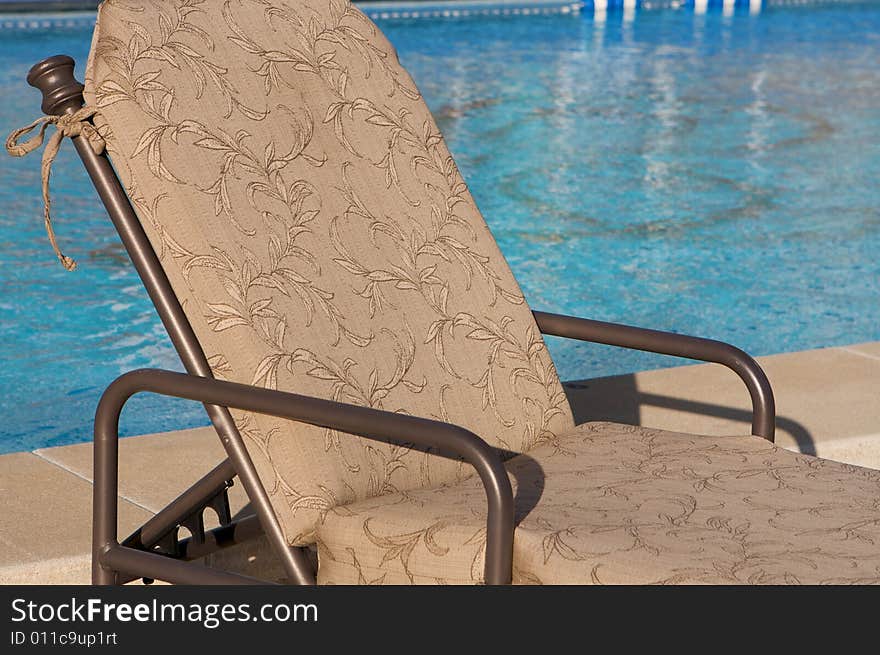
x: 70, y: 125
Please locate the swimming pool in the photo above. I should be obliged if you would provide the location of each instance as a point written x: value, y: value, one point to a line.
x: 711, y: 174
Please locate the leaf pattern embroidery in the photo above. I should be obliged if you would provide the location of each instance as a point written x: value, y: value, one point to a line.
x: 320, y: 237
x: 769, y: 516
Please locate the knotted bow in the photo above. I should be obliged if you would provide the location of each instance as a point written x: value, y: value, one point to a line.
x: 70, y: 125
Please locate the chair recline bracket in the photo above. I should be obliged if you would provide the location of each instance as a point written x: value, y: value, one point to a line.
x: 168, y: 542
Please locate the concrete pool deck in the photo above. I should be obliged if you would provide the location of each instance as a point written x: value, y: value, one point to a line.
x: 827, y: 405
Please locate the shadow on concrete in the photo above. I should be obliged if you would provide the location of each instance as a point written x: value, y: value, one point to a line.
x: 619, y: 400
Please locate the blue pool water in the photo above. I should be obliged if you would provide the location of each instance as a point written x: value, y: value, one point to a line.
x: 708, y: 174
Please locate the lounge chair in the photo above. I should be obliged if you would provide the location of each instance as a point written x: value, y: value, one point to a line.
x: 370, y: 365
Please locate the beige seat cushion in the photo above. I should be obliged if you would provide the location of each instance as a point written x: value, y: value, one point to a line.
x: 618, y: 504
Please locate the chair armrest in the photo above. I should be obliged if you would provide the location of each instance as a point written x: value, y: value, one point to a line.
x: 374, y: 424
x: 678, y: 345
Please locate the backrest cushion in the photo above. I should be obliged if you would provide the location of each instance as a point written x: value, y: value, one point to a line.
x: 318, y: 235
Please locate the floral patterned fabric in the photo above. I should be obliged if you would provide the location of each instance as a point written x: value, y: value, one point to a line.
x: 628, y: 505
x: 321, y: 240
x: 319, y: 236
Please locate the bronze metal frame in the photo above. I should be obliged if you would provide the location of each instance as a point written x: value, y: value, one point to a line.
x: 154, y: 551
x: 677, y: 345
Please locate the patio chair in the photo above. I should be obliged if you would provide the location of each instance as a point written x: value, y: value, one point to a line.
x: 378, y: 382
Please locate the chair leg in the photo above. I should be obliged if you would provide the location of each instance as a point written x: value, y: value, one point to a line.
x: 104, y: 499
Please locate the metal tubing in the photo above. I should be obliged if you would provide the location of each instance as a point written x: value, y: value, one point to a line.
x: 104, y: 495
x: 365, y: 422
x: 63, y: 94
x: 679, y: 345
x: 148, y: 565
